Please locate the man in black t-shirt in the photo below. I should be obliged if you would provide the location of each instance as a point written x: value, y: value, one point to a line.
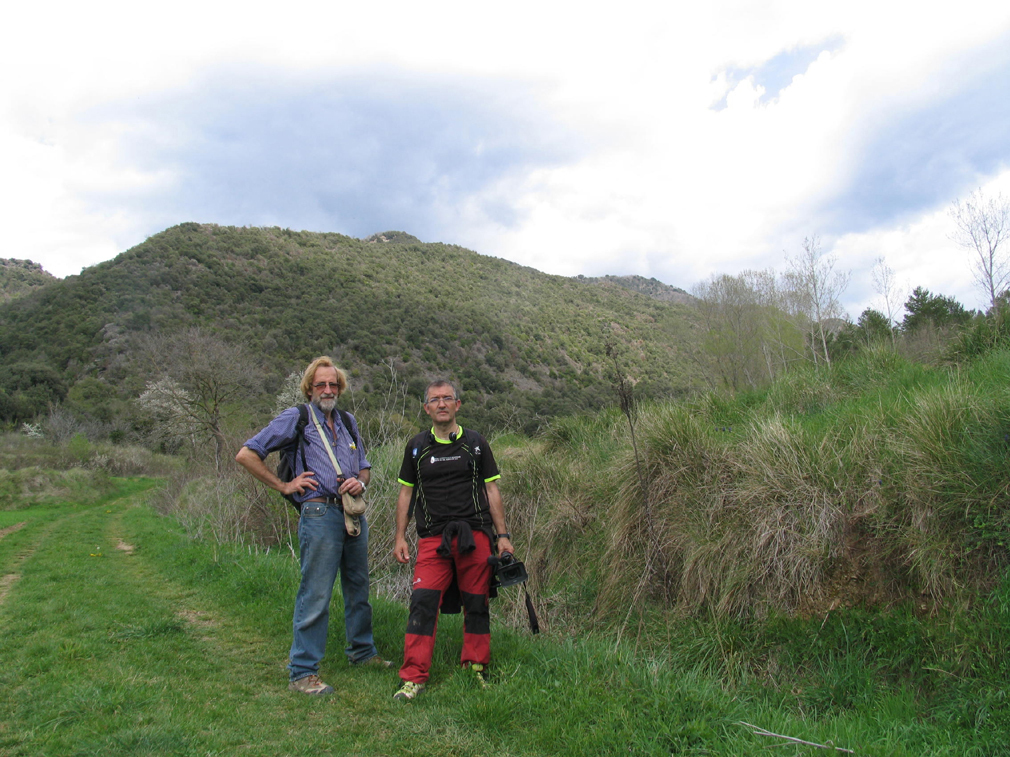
x: 449, y: 475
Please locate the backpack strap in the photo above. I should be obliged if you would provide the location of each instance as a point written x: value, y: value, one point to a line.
x: 416, y: 442
x: 303, y: 419
x: 298, y: 448
x: 346, y: 418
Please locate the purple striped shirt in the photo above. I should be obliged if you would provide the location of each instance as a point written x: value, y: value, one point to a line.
x: 280, y: 432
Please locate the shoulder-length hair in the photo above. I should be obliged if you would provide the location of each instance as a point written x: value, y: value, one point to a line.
x: 310, y: 375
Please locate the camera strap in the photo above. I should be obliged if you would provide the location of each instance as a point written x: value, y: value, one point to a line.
x: 534, y: 623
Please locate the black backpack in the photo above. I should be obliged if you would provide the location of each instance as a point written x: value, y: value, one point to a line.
x: 288, y: 455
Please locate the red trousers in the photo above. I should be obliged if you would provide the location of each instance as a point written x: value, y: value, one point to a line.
x: 432, y: 576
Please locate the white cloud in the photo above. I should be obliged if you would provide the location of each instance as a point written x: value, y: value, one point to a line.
x: 671, y: 188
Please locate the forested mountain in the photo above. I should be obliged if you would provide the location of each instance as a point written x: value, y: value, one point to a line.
x: 650, y: 287
x: 19, y: 277
x: 524, y: 345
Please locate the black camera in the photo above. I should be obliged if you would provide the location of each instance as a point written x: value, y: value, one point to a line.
x: 508, y: 571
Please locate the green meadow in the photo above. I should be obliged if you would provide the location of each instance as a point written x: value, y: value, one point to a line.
x: 124, y: 636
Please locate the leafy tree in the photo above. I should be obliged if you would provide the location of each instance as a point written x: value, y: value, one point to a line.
x: 94, y: 398
x: 728, y: 306
x: 871, y: 329
x: 29, y: 389
x: 874, y: 327
x: 926, y: 309
x: 8, y: 408
x: 845, y: 341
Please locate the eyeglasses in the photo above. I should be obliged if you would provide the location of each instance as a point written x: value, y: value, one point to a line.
x: 324, y: 384
x: 440, y: 400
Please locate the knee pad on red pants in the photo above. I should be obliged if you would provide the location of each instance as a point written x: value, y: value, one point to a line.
x: 478, y: 616
x: 423, y: 611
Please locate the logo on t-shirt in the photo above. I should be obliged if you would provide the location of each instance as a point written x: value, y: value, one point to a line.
x: 444, y: 459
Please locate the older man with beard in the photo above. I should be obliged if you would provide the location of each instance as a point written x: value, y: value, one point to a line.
x: 326, y: 544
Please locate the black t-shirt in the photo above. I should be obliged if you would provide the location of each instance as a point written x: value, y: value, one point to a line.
x: 449, y: 480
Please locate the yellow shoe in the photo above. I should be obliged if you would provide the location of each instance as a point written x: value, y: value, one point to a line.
x: 480, y: 671
x: 408, y: 691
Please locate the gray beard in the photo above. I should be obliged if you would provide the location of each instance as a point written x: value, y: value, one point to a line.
x: 326, y: 406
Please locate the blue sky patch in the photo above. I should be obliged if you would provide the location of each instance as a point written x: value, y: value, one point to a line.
x: 777, y: 73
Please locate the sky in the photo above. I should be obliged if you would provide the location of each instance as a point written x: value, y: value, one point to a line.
x: 670, y: 140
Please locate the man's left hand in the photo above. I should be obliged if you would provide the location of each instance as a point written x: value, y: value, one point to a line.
x: 505, y: 545
x: 351, y: 486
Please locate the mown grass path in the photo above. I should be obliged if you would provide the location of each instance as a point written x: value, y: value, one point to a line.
x: 106, y: 654
x: 122, y: 637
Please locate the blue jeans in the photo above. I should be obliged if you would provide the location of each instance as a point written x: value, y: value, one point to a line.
x: 326, y: 547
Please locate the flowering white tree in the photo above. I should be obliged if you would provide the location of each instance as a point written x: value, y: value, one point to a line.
x: 199, y: 380
x: 290, y: 393
x: 168, y: 405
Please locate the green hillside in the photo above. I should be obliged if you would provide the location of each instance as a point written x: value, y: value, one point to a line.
x: 523, y: 345
x: 650, y: 287
x: 19, y: 277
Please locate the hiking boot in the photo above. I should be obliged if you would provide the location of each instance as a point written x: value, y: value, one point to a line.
x: 375, y: 662
x: 479, y: 672
x: 408, y: 691
x: 311, y: 685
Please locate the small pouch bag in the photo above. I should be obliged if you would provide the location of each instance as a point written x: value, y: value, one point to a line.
x: 354, y: 506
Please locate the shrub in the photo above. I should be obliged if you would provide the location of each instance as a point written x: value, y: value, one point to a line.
x: 948, y: 511
x: 28, y: 487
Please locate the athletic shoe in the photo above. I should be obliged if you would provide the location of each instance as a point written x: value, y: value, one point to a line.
x: 375, y: 662
x: 480, y: 672
x: 408, y: 691
x: 311, y: 685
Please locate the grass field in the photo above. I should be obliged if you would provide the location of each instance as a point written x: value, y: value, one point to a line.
x: 121, y: 636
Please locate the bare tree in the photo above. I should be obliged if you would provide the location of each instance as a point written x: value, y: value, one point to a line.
x: 209, y: 379
x: 750, y: 335
x: 781, y: 331
x: 886, y: 285
x: 817, y: 289
x: 728, y: 307
x: 983, y: 228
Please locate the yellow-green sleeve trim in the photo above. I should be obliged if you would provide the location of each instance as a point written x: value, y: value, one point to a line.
x: 405, y: 483
x: 493, y: 478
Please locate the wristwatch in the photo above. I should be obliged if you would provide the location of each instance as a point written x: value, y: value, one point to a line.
x: 505, y: 535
